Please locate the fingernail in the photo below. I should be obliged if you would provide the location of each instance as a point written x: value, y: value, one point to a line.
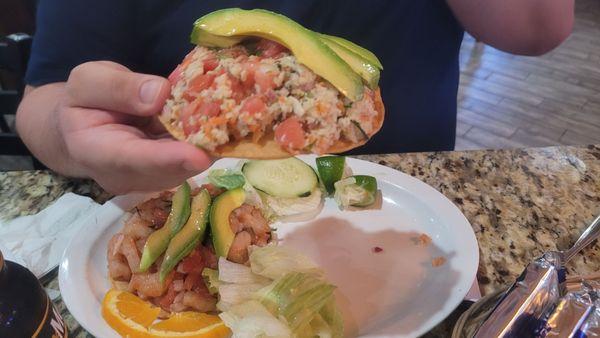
x: 149, y: 90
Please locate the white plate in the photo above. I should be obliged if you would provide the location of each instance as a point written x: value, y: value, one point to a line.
x: 393, y: 293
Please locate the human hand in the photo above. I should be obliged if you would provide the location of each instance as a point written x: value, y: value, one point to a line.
x: 107, y: 122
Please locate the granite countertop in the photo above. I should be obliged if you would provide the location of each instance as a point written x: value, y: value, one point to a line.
x: 520, y: 202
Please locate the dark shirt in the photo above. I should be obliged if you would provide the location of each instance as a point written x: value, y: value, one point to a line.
x: 417, y: 41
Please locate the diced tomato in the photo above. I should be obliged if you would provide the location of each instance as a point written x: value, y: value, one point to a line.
x: 264, y: 79
x: 210, y: 63
x: 289, y: 134
x: 193, y: 111
x: 238, y: 92
x: 201, y: 82
x: 269, y: 48
x: 189, y: 118
x: 209, y: 108
x: 253, y: 105
x: 193, y: 262
x: 166, y: 300
x: 175, y: 76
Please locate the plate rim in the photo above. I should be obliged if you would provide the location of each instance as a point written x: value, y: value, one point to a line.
x: 111, y: 208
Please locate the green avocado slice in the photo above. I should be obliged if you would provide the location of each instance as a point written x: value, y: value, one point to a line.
x: 190, y: 235
x: 220, y: 227
x: 204, y: 38
x: 363, y: 52
x: 369, y: 72
x: 158, y: 241
x: 303, y: 43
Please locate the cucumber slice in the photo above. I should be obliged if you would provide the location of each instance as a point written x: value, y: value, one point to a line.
x: 290, y: 177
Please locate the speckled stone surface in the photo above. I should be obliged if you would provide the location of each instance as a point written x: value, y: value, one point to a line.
x: 520, y: 203
x: 27, y: 192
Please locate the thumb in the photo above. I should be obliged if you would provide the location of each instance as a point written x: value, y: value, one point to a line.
x: 109, y: 86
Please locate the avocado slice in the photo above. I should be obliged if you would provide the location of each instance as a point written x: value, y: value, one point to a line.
x: 220, y: 227
x: 190, y: 235
x: 204, y: 38
x: 369, y: 72
x: 158, y: 241
x: 303, y: 43
x: 363, y: 52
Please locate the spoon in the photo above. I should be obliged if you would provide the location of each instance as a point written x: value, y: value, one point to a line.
x: 588, y: 236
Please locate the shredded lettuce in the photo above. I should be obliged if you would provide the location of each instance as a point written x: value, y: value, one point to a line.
x: 251, y: 319
x: 211, y: 279
x: 232, y: 294
x: 230, y: 272
x: 281, y: 294
x: 226, y: 178
x: 275, y: 261
x: 295, y: 208
x: 297, y: 297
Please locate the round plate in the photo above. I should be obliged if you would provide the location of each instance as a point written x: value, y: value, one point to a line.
x: 387, y: 284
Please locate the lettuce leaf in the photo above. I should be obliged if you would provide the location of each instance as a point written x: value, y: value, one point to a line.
x: 226, y: 178
x: 282, y: 294
x: 230, y: 272
x: 251, y: 319
x: 275, y: 261
x: 297, y: 297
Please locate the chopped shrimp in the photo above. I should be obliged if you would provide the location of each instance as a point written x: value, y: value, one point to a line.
x: 213, y: 190
x: 148, y: 284
x: 137, y: 228
x: 199, y: 301
x: 156, y: 210
x: 248, y: 217
x: 122, y: 251
x: 169, y: 297
x: 118, y: 269
x: 238, y: 252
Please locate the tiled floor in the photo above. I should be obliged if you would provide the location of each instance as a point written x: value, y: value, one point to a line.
x: 508, y: 101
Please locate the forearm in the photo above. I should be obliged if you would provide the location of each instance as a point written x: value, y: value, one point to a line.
x: 530, y: 27
x: 37, y: 126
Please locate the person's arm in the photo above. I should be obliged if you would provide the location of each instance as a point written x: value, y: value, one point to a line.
x: 99, y: 125
x: 528, y: 27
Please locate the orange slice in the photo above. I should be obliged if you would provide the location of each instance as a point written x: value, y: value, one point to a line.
x: 132, y: 317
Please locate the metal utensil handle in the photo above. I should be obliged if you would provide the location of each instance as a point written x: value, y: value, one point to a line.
x: 588, y: 236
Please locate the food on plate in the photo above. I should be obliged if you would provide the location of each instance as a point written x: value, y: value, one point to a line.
x: 160, y: 253
x: 288, y: 188
x: 289, y: 177
x: 131, y: 316
x: 281, y: 294
x: 332, y: 169
x: 259, y: 85
x: 356, y: 191
x: 438, y: 261
x: 159, y: 240
x: 262, y: 290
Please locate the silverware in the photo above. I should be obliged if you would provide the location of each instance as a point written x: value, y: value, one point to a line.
x: 588, y: 236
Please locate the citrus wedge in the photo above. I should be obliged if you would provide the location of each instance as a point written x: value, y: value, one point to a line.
x: 133, y: 317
